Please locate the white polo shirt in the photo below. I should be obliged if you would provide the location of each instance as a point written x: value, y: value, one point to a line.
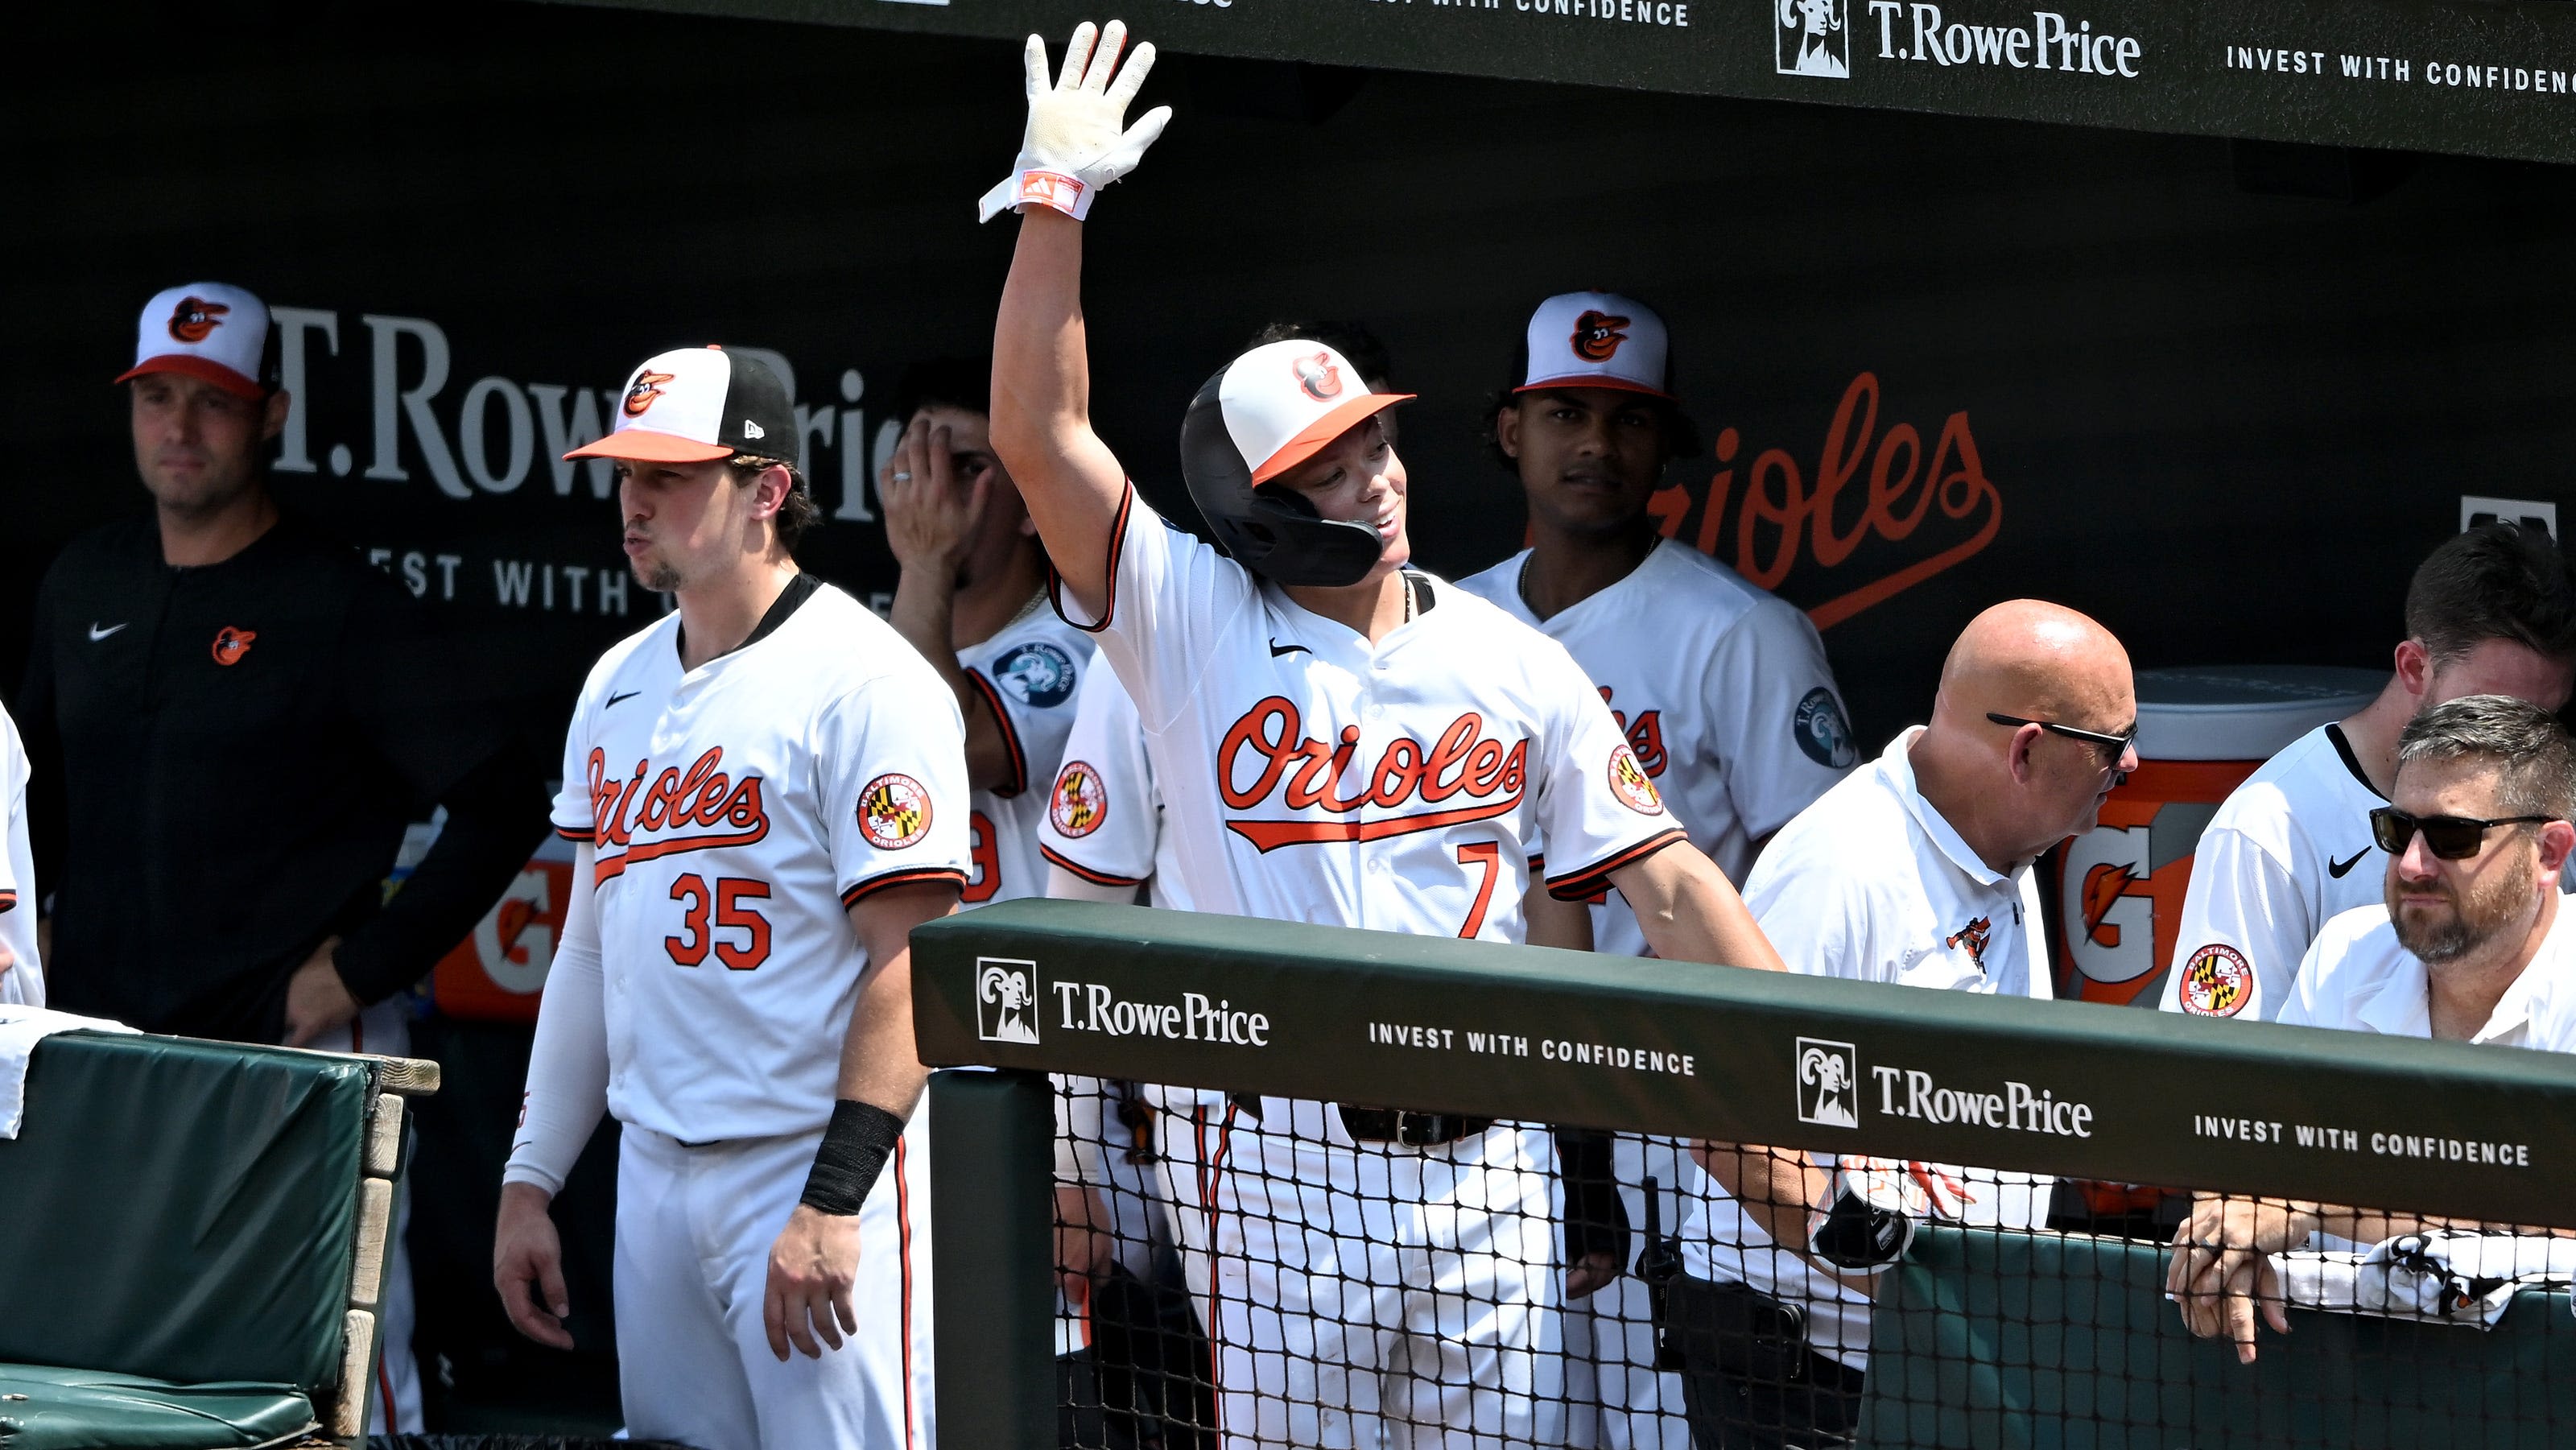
x: 1872, y: 884
x: 2358, y: 978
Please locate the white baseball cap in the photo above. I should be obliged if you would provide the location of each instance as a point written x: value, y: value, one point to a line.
x: 209, y: 330
x: 1283, y: 401
x: 696, y: 405
x: 1596, y: 340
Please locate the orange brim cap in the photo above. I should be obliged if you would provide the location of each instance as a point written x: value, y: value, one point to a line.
x: 651, y: 447
x: 1595, y: 380
x: 196, y: 367
x: 1310, y: 440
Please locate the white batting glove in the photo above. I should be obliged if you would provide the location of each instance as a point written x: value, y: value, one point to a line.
x: 1075, y: 145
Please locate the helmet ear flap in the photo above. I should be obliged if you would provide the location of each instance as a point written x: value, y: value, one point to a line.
x: 1271, y: 530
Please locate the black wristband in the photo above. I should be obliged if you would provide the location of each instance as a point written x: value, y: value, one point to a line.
x: 852, y: 1154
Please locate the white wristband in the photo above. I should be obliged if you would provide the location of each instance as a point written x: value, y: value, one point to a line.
x: 1030, y: 184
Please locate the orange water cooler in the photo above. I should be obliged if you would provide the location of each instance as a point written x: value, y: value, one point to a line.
x: 2118, y: 889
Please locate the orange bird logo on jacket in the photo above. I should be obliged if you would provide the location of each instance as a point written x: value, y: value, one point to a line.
x: 231, y: 644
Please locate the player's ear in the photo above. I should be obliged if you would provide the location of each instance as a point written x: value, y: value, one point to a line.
x: 2414, y: 666
x: 2557, y: 842
x: 1507, y: 429
x: 273, y: 414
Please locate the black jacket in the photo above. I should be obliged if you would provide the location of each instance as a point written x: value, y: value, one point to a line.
x: 225, y: 759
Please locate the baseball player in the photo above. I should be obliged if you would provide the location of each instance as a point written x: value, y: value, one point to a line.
x: 1723, y: 691
x: 767, y: 793
x: 22, y: 967
x: 2490, y: 612
x: 1338, y: 738
x: 2469, y: 943
x: 1915, y: 869
x: 232, y: 718
x: 972, y: 599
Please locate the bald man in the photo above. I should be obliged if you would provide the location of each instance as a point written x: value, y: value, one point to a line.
x: 1915, y: 869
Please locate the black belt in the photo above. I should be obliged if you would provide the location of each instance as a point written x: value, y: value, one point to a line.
x: 1413, y: 1130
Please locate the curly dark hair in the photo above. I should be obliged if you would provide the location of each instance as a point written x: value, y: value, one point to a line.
x: 797, y: 511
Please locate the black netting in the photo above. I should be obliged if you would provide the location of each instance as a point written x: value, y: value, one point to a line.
x: 1245, y: 1271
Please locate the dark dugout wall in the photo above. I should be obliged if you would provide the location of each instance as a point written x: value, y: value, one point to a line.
x: 1942, y: 361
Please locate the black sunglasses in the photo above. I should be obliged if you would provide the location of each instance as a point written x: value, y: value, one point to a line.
x: 2452, y: 838
x: 2116, y: 745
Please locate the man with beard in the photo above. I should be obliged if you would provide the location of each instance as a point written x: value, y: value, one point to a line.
x: 2466, y: 948
x: 2489, y: 612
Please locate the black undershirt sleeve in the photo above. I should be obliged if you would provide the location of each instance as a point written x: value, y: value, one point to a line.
x: 451, y: 747
x: 33, y: 710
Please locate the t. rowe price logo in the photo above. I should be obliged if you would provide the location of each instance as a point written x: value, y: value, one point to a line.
x: 1833, y: 1087
x: 1006, y: 999
x: 1912, y: 31
x: 1095, y: 1007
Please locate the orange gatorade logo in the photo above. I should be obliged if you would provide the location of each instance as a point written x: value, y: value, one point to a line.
x: 1079, y: 803
x: 1597, y: 336
x: 1317, y: 375
x: 698, y: 809
x: 894, y: 811
x: 1305, y: 774
x: 648, y: 386
x: 1629, y: 783
x: 2217, y: 982
x: 195, y: 319
x: 231, y: 644
x: 2104, y: 885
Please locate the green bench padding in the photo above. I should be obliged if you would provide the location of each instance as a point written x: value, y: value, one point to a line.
x: 71, y: 1409
x: 181, y: 1210
x: 2018, y: 1341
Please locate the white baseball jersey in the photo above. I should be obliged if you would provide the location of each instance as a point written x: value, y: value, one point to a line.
x: 1724, y: 693
x: 1029, y: 673
x: 2288, y: 850
x: 2356, y: 976
x: 22, y: 982
x: 1872, y: 884
x: 737, y: 809
x: 1104, y: 817
x: 1309, y: 775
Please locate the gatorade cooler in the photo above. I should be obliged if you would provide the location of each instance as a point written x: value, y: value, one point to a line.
x: 2118, y: 888
x: 497, y: 973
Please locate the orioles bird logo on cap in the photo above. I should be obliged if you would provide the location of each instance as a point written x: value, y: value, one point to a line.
x: 648, y: 386
x: 195, y: 319
x: 1317, y: 375
x: 1597, y: 336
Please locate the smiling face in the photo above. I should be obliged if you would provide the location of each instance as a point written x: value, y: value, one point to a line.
x: 690, y: 522
x: 1589, y: 458
x: 197, y: 445
x: 1357, y: 478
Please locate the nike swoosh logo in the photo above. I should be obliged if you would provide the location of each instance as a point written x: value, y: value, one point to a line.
x: 631, y: 694
x: 1277, y: 649
x: 96, y: 634
x: 2336, y: 869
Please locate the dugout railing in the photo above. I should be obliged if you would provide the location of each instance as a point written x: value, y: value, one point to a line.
x: 1979, y: 1339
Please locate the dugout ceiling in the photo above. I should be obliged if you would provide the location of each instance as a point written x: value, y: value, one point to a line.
x: 2221, y: 396
x: 2480, y: 79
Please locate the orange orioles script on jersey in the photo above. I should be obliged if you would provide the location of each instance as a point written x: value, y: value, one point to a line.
x: 1464, y: 761
x: 231, y: 644
x: 693, y: 810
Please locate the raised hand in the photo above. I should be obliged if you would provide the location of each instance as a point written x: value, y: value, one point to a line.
x: 1078, y: 139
